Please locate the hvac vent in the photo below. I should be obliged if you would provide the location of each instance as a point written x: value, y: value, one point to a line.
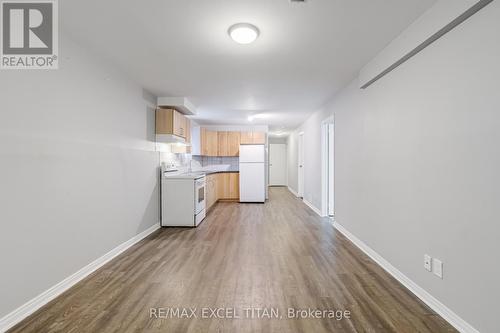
x: 298, y: 0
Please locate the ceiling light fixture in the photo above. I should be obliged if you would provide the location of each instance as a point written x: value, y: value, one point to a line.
x: 257, y: 116
x: 243, y: 33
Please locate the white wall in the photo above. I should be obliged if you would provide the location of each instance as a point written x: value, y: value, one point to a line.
x: 417, y: 166
x: 292, y: 161
x: 312, y: 157
x: 243, y: 128
x: 277, y: 140
x: 78, y: 170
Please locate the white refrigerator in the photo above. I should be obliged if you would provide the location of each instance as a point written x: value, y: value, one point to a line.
x: 252, y: 173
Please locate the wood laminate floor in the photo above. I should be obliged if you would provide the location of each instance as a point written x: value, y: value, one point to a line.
x: 272, y: 257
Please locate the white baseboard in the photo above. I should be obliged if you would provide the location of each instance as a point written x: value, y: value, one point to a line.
x: 314, y: 208
x: 448, y: 315
x: 308, y: 204
x: 36, y: 303
x: 293, y: 192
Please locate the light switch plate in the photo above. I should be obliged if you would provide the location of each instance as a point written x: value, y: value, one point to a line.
x: 437, y: 267
x: 428, y: 262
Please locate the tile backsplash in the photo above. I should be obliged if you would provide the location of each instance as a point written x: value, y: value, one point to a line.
x: 183, y: 159
x: 168, y: 155
x: 210, y: 160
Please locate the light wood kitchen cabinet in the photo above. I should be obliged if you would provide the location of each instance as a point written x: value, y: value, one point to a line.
x: 211, y: 191
x: 246, y: 138
x: 253, y: 138
x: 209, y: 139
x: 222, y: 186
x: 259, y: 137
x: 228, y: 143
x: 222, y: 143
x: 234, y: 186
x: 188, y: 135
x: 228, y: 186
x: 233, y: 142
x: 180, y: 123
x: 169, y: 121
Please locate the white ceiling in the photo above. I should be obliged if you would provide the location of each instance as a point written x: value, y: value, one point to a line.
x: 305, y: 53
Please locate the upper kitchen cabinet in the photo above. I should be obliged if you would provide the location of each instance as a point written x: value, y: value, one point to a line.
x: 180, y: 124
x: 233, y: 142
x: 246, y: 138
x: 259, y: 137
x: 228, y: 143
x: 188, y: 136
x: 253, y: 138
x: 171, y: 122
x: 222, y: 143
x: 209, y: 142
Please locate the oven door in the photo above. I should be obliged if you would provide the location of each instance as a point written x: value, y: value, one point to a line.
x: 199, y: 195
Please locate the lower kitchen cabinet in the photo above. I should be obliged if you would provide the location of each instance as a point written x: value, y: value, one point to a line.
x: 211, y: 191
x: 222, y: 186
x: 228, y: 186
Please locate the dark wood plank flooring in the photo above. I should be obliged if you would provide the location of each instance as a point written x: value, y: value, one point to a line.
x: 275, y: 255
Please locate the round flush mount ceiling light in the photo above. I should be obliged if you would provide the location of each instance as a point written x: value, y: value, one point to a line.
x: 243, y: 33
x: 257, y: 116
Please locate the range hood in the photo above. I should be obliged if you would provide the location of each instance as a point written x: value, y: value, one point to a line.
x: 181, y: 104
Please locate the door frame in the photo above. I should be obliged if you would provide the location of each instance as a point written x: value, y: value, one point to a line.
x: 286, y: 163
x: 327, y: 162
x: 300, y: 165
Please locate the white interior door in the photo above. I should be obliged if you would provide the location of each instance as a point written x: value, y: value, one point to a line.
x: 277, y: 164
x: 300, y: 185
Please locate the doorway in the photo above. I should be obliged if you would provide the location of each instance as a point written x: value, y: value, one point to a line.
x: 300, y: 172
x: 277, y: 164
x: 328, y: 169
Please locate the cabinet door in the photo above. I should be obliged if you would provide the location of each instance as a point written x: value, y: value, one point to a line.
x: 211, y: 191
x: 246, y: 138
x: 259, y: 137
x: 228, y: 186
x: 188, y: 136
x: 233, y: 140
x: 208, y: 142
x: 221, y: 186
x: 233, y: 186
x: 179, y: 124
x: 222, y: 143
x: 164, y: 121
x: 212, y: 143
x: 203, y: 142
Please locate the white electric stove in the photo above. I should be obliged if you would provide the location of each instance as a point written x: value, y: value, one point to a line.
x: 182, y: 197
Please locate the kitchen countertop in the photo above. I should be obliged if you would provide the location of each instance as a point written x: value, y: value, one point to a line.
x: 208, y: 172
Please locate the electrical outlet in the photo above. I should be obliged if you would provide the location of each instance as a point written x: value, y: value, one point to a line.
x: 437, y: 267
x: 428, y: 262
